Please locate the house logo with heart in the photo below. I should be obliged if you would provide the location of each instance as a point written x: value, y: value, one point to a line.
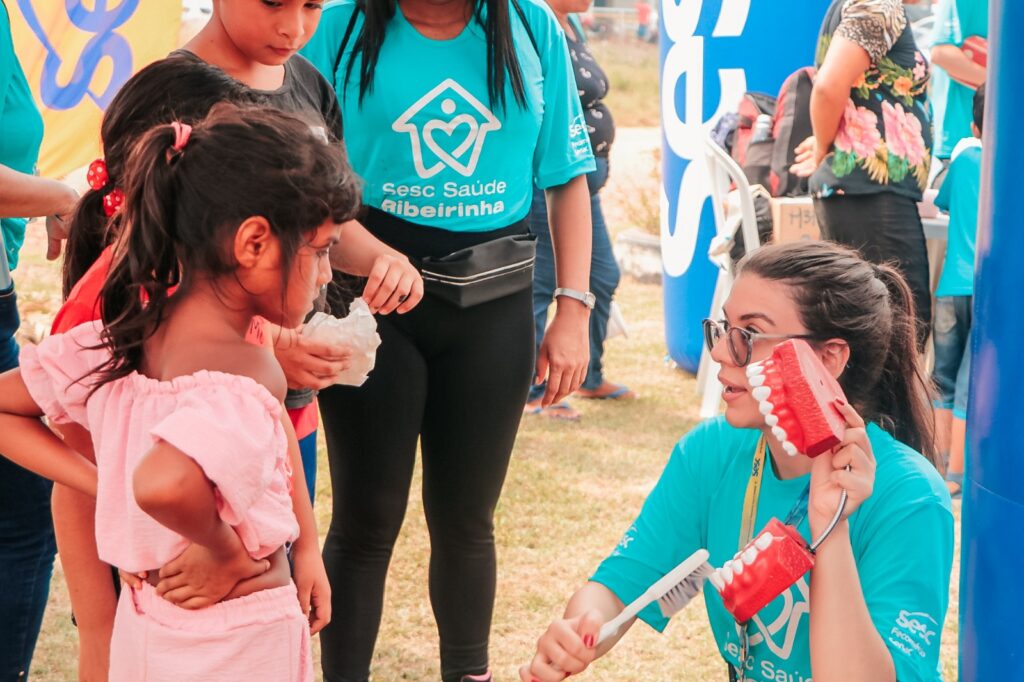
x: 447, y: 127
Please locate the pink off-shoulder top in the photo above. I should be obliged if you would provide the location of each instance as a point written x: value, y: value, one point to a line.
x: 229, y: 424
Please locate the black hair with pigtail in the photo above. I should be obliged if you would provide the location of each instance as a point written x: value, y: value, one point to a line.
x: 491, y: 15
x: 870, y: 307
x: 170, y: 89
x: 185, y: 197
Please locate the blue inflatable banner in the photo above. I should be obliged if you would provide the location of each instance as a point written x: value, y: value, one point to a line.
x: 712, y: 51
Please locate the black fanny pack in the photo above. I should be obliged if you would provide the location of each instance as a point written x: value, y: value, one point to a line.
x: 481, y: 273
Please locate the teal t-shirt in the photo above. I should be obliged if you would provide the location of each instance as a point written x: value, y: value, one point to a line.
x: 430, y: 146
x: 902, y: 539
x: 959, y: 196
x: 955, y: 22
x: 21, y: 130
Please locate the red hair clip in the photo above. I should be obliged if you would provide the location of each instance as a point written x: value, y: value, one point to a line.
x: 113, y: 201
x: 97, y: 175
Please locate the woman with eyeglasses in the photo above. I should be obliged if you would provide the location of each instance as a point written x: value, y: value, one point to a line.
x: 873, y: 606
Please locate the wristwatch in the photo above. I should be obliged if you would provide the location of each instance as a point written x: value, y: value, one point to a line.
x: 585, y: 297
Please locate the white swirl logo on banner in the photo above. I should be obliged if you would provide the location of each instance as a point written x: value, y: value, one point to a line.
x: 684, y: 132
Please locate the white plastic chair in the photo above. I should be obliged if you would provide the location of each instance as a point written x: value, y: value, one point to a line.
x: 724, y: 172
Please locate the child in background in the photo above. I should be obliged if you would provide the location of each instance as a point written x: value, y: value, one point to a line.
x: 193, y: 450
x: 256, y: 43
x: 952, y: 324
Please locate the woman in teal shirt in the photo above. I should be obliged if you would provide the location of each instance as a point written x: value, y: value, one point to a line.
x: 452, y: 111
x: 26, y: 533
x: 873, y: 606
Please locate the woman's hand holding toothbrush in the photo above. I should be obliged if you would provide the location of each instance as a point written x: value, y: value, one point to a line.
x: 566, y: 648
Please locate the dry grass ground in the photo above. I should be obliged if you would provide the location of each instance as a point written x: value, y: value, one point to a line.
x: 571, y: 490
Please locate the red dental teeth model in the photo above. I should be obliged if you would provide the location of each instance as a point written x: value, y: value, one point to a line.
x: 766, y: 568
x: 795, y: 393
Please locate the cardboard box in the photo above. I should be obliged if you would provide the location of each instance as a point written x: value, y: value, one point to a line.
x: 793, y: 219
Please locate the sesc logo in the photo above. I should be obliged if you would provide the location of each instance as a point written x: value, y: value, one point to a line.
x: 447, y: 128
x: 683, y: 69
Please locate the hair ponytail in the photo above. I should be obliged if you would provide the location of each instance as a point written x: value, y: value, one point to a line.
x: 841, y: 296
x: 903, y: 392
x: 146, y: 261
x: 89, y: 233
x: 180, y: 87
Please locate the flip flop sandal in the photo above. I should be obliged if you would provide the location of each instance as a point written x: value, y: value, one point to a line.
x: 621, y: 392
x: 561, y: 411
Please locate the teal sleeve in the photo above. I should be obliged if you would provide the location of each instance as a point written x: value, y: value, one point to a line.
x: 7, y: 60
x: 563, y: 147
x: 947, y: 24
x: 942, y: 198
x: 666, y: 532
x: 904, y: 574
x: 322, y: 49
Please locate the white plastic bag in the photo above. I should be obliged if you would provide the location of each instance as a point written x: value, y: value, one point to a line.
x: 357, y: 331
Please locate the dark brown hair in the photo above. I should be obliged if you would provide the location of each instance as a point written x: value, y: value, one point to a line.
x: 182, y: 210
x: 175, y: 88
x: 870, y: 307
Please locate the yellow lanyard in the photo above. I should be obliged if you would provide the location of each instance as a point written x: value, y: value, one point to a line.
x: 747, y: 533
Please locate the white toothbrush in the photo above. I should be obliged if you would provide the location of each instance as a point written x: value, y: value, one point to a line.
x: 672, y: 592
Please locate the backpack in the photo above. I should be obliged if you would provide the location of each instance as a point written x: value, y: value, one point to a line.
x: 792, y: 126
x: 752, y: 105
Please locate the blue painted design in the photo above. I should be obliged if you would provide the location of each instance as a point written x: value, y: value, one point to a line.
x: 106, y: 44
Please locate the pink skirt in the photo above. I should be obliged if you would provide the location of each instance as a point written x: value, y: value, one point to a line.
x: 261, y: 636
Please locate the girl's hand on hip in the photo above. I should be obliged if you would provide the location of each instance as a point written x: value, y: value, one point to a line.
x: 829, y: 476
x: 565, y: 352
x: 567, y: 647
x: 393, y: 285
x: 200, y: 577
x: 314, y: 589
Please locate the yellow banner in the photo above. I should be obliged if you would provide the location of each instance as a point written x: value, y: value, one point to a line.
x: 76, y: 55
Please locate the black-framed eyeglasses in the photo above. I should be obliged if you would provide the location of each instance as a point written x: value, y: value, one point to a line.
x: 740, y: 341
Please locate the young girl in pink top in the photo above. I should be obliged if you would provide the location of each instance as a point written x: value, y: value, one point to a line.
x: 194, y: 451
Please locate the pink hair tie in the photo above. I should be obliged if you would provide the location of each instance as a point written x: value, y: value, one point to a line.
x: 182, y: 131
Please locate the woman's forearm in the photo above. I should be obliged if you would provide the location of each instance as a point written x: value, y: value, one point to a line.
x: 957, y: 65
x: 571, y: 239
x: 357, y: 250
x: 827, y: 105
x: 28, y: 196
x: 840, y: 621
x: 29, y: 443
x: 571, y: 232
x: 595, y: 597
x: 844, y: 63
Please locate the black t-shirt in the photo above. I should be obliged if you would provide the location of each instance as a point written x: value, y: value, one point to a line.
x: 303, y: 91
x: 592, y: 85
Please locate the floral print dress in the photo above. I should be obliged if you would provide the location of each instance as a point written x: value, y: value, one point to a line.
x: 884, y: 137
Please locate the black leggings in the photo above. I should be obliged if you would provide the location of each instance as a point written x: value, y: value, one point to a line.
x: 884, y: 227
x: 457, y: 380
